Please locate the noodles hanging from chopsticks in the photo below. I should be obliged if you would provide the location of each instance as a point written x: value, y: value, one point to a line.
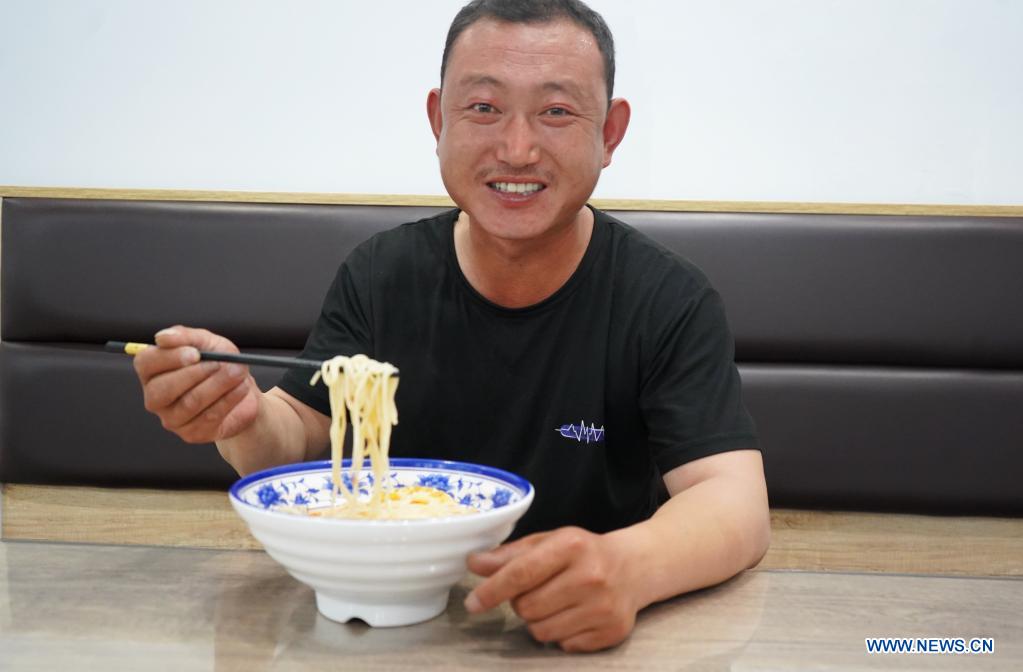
x: 365, y: 388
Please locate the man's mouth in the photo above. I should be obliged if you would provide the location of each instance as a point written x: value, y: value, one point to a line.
x: 516, y: 187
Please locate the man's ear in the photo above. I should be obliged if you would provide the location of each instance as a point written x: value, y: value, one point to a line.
x: 618, y: 115
x: 433, y: 111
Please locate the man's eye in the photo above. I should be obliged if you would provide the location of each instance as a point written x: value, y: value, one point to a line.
x: 485, y: 108
x: 557, y: 112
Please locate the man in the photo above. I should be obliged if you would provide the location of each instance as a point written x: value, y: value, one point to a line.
x: 532, y: 333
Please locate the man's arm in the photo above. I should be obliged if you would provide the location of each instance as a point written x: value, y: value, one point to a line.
x: 284, y: 431
x: 582, y: 590
x: 717, y: 521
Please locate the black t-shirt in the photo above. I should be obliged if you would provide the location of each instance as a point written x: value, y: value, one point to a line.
x: 624, y: 373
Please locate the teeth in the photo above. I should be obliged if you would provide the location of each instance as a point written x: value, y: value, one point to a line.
x: 517, y: 187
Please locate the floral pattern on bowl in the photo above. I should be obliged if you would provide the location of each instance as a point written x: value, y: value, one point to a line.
x: 483, y: 489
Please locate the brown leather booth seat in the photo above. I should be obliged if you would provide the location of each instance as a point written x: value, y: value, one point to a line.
x: 881, y: 356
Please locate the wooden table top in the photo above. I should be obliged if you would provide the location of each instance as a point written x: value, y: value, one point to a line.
x: 67, y: 606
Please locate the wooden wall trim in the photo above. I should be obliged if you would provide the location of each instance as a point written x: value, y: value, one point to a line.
x: 938, y: 210
x: 802, y: 540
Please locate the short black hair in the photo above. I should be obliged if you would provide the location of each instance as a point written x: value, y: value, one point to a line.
x: 536, y: 11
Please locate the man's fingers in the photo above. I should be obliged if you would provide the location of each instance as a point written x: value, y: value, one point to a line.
x: 162, y: 390
x: 488, y: 562
x: 524, y: 572
x: 223, y: 418
x: 563, y: 624
x: 177, y: 347
x: 593, y: 640
x: 152, y: 362
x: 197, y: 392
x: 201, y: 339
x: 554, y: 596
x: 597, y: 626
x: 172, y: 337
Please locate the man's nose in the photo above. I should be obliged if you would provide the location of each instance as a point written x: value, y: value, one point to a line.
x: 519, y: 144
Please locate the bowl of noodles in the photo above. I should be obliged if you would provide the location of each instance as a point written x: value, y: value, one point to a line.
x: 395, y: 568
x: 378, y: 539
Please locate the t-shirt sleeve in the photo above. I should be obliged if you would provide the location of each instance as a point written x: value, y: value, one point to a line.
x: 343, y: 328
x: 691, y: 394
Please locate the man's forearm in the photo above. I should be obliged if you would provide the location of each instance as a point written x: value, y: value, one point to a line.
x: 700, y: 537
x: 277, y: 436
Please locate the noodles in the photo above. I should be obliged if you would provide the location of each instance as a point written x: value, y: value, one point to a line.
x: 365, y: 388
x: 405, y: 503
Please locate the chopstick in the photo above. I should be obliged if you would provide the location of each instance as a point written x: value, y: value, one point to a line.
x: 241, y: 358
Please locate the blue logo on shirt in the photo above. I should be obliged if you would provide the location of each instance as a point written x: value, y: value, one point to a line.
x: 582, y: 433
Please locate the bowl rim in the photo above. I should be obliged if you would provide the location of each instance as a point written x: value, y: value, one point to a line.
x: 512, y: 480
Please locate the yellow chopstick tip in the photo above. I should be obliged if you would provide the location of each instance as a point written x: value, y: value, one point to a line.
x: 135, y: 348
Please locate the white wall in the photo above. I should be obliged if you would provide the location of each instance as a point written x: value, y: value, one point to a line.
x: 903, y: 101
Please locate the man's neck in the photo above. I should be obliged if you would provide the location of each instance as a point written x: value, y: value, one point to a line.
x: 520, y: 273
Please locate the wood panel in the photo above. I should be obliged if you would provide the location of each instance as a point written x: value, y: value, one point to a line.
x: 443, y: 201
x: 902, y: 543
x: 804, y: 540
x: 192, y: 518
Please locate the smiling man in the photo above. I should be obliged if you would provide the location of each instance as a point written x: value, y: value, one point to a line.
x: 533, y: 333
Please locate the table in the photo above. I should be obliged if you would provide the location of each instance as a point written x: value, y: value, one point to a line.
x: 67, y: 606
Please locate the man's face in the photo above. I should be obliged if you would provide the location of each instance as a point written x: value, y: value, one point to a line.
x: 522, y: 125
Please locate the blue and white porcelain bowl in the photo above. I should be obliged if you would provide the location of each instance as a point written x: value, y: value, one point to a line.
x: 385, y: 572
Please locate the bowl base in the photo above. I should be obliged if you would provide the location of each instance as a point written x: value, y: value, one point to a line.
x: 382, y: 615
